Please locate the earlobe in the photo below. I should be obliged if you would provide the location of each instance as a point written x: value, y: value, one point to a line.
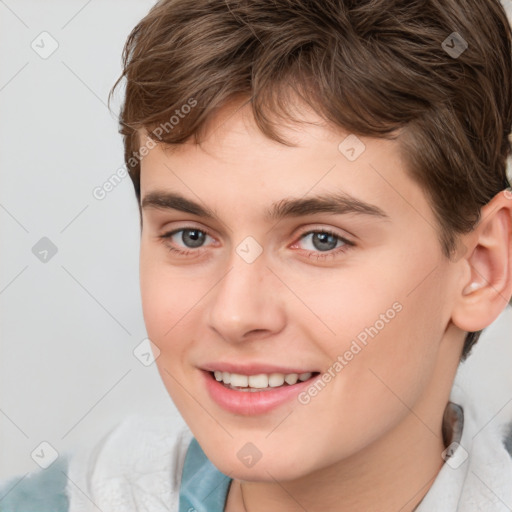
x: 487, y: 267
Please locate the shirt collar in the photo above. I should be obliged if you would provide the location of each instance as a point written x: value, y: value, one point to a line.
x: 203, y: 487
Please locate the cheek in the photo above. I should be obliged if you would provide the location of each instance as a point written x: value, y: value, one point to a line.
x: 382, y: 328
x: 341, y: 305
x: 168, y: 299
x: 168, y: 305
x: 397, y: 298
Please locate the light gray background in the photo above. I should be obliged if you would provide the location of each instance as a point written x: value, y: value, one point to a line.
x: 69, y: 326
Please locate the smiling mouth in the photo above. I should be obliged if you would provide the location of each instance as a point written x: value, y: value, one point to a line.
x: 260, y: 382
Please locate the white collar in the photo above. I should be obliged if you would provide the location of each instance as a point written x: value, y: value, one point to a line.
x: 478, y: 475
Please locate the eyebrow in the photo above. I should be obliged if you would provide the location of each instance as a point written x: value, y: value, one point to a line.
x: 336, y: 203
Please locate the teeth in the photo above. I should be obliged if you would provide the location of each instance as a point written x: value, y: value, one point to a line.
x: 260, y: 381
x: 291, y: 378
x: 240, y: 381
x: 275, y: 380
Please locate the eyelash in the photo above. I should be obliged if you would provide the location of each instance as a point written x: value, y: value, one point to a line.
x: 318, y: 255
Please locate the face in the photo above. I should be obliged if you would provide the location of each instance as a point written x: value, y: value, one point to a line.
x: 313, y: 262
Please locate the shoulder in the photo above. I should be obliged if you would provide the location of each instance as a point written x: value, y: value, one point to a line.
x: 136, y: 466
x: 43, y: 490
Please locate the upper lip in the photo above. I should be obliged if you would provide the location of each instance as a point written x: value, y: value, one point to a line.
x: 253, y: 368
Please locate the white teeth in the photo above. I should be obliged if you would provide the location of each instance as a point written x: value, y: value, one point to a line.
x: 275, y: 380
x: 291, y: 379
x: 260, y: 381
x: 237, y: 380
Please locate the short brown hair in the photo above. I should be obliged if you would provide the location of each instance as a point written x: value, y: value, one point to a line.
x: 439, y: 72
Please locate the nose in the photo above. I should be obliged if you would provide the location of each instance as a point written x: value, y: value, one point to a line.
x: 246, y: 304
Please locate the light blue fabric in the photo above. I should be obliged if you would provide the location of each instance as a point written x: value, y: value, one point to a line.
x: 43, y: 490
x: 203, y: 487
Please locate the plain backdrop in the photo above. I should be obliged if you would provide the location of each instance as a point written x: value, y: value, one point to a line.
x: 70, y: 311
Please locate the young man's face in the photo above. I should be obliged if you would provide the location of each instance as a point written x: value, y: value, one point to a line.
x: 259, y: 288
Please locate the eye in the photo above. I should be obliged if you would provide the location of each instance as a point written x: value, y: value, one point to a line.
x: 322, y: 240
x: 319, y: 244
x: 185, y: 240
x: 323, y: 243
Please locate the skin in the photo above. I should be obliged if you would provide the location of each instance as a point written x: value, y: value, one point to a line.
x: 378, y: 421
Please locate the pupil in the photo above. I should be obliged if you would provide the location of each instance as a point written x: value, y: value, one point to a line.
x: 324, y: 238
x: 192, y: 237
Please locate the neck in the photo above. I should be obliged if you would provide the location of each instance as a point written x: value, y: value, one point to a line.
x: 383, y: 478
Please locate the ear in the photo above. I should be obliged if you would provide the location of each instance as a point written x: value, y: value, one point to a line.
x: 485, y: 285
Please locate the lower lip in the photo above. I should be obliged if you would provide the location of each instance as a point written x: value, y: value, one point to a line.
x: 250, y: 403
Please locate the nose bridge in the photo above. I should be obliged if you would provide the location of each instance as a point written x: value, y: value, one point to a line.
x: 246, y: 299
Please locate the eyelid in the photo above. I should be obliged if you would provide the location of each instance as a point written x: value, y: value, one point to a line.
x: 168, y: 232
x: 341, y: 234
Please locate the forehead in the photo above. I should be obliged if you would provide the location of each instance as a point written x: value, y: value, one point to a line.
x: 237, y: 166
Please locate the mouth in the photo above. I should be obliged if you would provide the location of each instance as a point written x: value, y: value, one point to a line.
x: 250, y: 395
x: 260, y: 382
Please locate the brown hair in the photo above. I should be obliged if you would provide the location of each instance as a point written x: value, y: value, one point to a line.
x: 437, y: 71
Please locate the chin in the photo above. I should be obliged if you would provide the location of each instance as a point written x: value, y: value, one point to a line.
x: 270, y: 467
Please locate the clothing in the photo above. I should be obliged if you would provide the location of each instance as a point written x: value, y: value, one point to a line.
x: 141, y: 466
x: 478, y: 476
